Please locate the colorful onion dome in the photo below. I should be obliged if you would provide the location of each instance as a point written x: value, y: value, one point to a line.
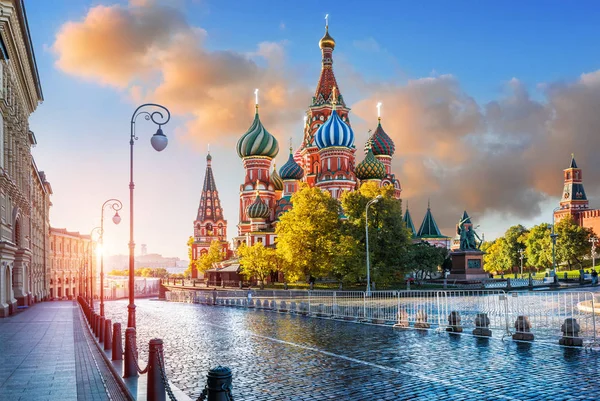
x: 370, y: 168
x: 334, y: 132
x: 283, y: 205
x: 257, y: 141
x: 380, y: 142
x: 327, y: 40
x: 276, y: 180
x: 291, y: 170
x: 258, y: 209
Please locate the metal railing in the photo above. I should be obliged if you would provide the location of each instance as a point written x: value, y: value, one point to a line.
x: 427, y: 309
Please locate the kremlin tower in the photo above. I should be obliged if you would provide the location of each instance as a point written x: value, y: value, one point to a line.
x: 209, y: 224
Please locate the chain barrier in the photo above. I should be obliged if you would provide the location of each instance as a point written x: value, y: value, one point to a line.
x: 163, y: 376
x: 224, y: 387
x: 135, y: 359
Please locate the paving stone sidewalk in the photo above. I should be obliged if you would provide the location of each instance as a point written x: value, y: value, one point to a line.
x: 46, y: 353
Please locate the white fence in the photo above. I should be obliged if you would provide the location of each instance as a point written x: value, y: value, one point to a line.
x: 453, y: 310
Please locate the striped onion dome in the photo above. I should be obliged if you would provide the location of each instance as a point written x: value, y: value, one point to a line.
x: 276, y: 180
x: 370, y: 168
x: 257, y: 141
x: 291, y: 170
x: 258, y: 209
x: 380, y: 142
x: 334, y: 132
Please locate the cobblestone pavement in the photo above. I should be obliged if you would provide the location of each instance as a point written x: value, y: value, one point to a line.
x: 286, y: 357
x: 45, y: 354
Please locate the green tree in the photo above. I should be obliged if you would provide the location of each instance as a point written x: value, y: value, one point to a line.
x: 257, y: 261
x: 389, y: 239
x: 572, y: 243
x: 514, y: 240
x: 308, y: 234
x: 538, y: 247
x: 497, y: 258
x: 193, y: 264
x: 118, y: 272
x: 214, y: 255
x: 424, y: 259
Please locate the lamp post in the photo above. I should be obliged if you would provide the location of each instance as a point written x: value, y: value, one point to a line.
x: 593, y: 240
x: 553, y: 236
x: 91, y: 269
x: 369, y: 203
x: 159, y: 142
x: 521, y: 251
x: 116, y: 205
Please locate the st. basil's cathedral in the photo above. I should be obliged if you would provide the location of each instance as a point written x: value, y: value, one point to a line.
x: 326, y: 159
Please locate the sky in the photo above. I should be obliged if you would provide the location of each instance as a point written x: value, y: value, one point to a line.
x: 485, y: 102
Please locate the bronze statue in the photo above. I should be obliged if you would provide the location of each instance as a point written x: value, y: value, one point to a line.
x: 469, y: 240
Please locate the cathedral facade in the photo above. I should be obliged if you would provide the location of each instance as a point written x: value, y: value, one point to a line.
x: 326, y: 158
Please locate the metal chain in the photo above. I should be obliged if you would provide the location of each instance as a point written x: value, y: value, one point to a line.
x: 163, y: 376
x: 225, y: 387
x: 135, y: 359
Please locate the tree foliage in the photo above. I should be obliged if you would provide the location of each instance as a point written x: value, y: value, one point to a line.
x: 214, y: 255
x: 538, y: 247
x: 257, y: 261
x: 308, y: 235
x: 424, y: 259
x: 514, y: 239
x: 389, y: 238
x: 572, y: 243
x: 193, y: 264
x: 497, y: 258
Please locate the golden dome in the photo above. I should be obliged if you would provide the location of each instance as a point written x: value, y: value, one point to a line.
x: 327, y: 40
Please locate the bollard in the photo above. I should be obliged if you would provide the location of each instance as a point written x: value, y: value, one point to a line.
x: 454, y: 322
x: 218, y: 385
x: 482, y: 322
x: 129, y: 367
x: 107, y: 335
x: 421, y: 322
x: 117, y: 343
x: 155, y: 387
x: 570, y: 329
x: 258, y: 305
x: 101, y: 329
x: 283, y: 306
x: 402, y: 320
x: 523, y: 328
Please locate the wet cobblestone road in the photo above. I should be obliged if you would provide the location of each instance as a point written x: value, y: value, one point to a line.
x: 286, y: 357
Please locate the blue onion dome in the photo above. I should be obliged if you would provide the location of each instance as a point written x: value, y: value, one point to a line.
x: 258, y: 209
x: 276, y: 180
x: 380, y: 142
x: 291, y: 170
x: 334, y: 132
x: 257, y: 141
x: 370, y: 168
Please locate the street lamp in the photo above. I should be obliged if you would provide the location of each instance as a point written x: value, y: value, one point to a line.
x: 159, y: 142
x: 593, y: 240
x: 521, y: 257
x: 116, y: 205
x: 553, y: 236
x: 91, y: 269
x: 369, y: 203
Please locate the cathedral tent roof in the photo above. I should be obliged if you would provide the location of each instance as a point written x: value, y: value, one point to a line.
x: 429, y: 227
x: 409, y: 223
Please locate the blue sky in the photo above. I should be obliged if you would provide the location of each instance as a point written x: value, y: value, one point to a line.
x: 83, y: 126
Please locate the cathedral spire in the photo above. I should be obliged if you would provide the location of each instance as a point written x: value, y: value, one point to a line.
x: 573, y: 196
x: 210, y: 205
x: 323, y: 94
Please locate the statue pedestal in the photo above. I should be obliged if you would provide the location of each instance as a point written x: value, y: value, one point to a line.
x: 467, y: 266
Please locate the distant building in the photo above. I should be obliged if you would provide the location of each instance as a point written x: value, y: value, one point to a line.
x: 429, y: 230
x: 72, y: 264
x: 152, y: 260
x: 574, y: 201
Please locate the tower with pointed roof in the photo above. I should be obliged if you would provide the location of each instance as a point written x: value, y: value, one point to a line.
x: 429, y: 231
x: 409, y: 223
x: 574, y: 201
x: 209, y: 224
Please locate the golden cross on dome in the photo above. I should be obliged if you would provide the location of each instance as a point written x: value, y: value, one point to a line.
x: 326, y: 21
x: 333, y: 96
x: 379, y: 111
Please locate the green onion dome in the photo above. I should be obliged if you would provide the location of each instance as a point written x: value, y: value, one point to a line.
x: 258, y: 209
x: 257, y: 141
x: 291, y: 170
x: 380, y: 142
x: 370, y: 168
x: 276, y: 180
